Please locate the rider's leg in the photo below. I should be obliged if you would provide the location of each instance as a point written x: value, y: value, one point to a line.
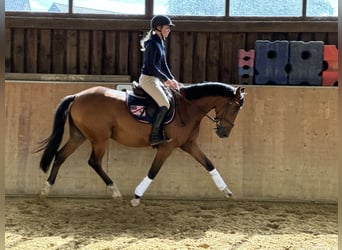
x: 157, y: 132
x: 152, y: 86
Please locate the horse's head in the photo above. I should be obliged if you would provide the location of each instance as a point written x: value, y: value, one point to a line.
x: 227, y: 112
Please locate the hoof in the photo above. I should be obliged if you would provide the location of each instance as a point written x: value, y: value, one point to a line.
x: 116, y: 192
x: 230, y: 196
x: 135, y: 202
x: 42, y: 195
x: 45, y: 191
x: 228, y: 193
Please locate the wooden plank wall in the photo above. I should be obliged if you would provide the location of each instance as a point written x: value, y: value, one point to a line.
x: 283, y: 147
x: 194, y: 56
x: 71, y: 52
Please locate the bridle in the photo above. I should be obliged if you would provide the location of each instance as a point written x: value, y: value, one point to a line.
x: 220, y: 129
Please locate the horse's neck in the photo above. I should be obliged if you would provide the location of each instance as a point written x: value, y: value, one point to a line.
x: 197, y: 109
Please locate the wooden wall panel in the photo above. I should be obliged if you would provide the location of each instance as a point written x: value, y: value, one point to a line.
x: 306, y: 37
x: 332, y: 39
x: 200, y: 57
x: 109, y: 53
x: 188, y: 58
x: 250, y: 40
x: 59, y: 38
x: 8, y: 56
x: 71, y: 52
x: 281, y: 36
x: 213, y: 57
x: 174, y: 54
x: 135, y: 56
x: 83, y: 52
x: 31, y: 53
x: 44, y: 52
x: 123, y: 52
x: 267, y: 36
x: 226, y: 58
x: 18, y: 53
x: 96, y: 52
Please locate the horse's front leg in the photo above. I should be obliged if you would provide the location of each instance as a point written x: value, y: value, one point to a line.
x: 162, y: 154
x: 193, y: 149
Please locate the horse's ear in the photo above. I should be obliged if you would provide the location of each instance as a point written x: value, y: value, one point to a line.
x: 239, y: 91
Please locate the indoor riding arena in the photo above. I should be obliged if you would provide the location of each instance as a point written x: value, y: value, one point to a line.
x: 279, y: 161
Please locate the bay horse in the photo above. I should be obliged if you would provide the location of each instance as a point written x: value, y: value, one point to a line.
x: 100, y: 114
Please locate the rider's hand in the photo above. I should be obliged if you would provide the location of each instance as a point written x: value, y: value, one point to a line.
x: 173, y: 83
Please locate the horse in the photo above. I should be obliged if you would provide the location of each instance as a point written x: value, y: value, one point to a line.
x: 99, y: 114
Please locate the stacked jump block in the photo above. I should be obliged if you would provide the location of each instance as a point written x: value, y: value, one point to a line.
x: 306, y: 63
x: 330, y: 66
x: 246, y: 66
x: 271, y: 60
x: 292, y: 63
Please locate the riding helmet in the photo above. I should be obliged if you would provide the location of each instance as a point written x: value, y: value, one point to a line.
x: 160, y: 20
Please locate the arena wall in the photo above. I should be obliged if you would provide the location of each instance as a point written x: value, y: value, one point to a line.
x: 283, y: 147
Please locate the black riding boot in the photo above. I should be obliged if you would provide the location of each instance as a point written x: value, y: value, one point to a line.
x: 157, y: 133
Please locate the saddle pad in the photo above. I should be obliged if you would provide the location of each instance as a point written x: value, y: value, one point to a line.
x: 143, y: 111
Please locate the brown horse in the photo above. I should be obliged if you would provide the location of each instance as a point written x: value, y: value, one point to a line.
x: 99, y: 114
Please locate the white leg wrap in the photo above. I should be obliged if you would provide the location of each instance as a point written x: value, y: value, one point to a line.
x: 142, y: 187
x: 221, y: 185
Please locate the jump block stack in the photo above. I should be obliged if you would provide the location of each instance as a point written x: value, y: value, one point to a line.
x: 246, y: 66
x: 293, y: 63
x: 306, y: 63
x: 330, y: 62
x: 271, y: 59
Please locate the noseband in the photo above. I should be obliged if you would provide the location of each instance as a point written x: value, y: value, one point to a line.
x: 220, y: 129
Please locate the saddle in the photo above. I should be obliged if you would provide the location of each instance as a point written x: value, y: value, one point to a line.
x: 142, y: 106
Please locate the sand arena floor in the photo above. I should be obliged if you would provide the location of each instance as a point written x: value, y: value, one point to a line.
x: 65, y: 223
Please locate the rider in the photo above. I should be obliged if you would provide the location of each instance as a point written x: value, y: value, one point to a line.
x: 155, y: 72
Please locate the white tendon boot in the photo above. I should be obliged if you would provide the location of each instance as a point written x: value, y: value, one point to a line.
x: 220, y: 184
x: 140, y: 190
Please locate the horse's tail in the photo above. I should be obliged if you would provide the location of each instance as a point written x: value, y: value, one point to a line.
x: 51, y: 144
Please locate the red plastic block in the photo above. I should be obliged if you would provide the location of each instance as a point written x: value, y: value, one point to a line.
x: 330, y: 78
x: 246, y: 58
x: 247, y: 53
x: 330, y: 56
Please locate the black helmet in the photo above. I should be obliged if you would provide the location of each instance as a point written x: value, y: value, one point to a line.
x: 160, y: 20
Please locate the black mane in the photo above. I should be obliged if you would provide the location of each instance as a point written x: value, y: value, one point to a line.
x: 199, y: 90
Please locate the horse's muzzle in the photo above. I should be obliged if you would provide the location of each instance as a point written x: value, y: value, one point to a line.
x: 222, y: 132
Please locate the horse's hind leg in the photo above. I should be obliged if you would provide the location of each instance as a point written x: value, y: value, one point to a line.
x: 95, y: 160
x: 75, y: 140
